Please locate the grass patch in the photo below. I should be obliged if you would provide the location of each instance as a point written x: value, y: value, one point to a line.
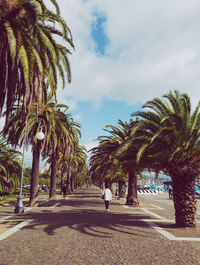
x: 9, y: 198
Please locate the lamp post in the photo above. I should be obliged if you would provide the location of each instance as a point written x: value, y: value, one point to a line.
x: 19, y: 208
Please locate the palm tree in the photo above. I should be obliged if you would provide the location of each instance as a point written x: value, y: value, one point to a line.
x: 82, y: 177
x: 15, y: 130
x: 103, y: 165
x: 121, y: 178
x: 70, y: 164
x: 78, y: 163
x: 61, y: 134
x: 62, y: 137
x: 122, y: 158
x: 10, y: 166
x: 102, y: 168
x: 171, y: 140
x: 29, y: 52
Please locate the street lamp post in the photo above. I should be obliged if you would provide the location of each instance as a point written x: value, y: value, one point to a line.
x: 19, y: 208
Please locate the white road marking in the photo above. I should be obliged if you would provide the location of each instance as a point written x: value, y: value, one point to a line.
x: 14, y: 229
x: 160, y: 230
x: 25, y: 210
x: 9, y: 216
x: 157, y: 207
x: 28, y: 209
x: 53, y: 206
x: 135, y: 212
x: 6, y: 217
x: 150, y: 208
x: 154, y: 214
x: 43, y: 201
x: 156, y: 220
x: 167, y: 234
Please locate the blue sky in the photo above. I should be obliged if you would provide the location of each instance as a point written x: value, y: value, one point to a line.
x: 94, y: 120
x: 98, y: 34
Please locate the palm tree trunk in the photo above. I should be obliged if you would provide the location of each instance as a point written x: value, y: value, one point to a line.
x: 112, y: 187
x: 68, y: 180
x: 184, y: 201
x: 122, y: 188
x: 52, y: 191
x: 101, y: 185
x: 61, y: 181
x: 35, y: 175
x: 132, y: 188
x: 72, y: 182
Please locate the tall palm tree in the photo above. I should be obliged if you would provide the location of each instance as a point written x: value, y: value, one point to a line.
x: 16, y: 130
x: 102, y: 168
x: 171, y: 139
x: 29, y: 52
x: 112, y: 150
x: 128, y: 159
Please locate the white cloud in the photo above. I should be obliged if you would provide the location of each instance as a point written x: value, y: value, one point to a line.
x: 153, y: 47
x: 77, y: 117
x: 88, y: 147
x: 91, y: 145
x: 63, y: 99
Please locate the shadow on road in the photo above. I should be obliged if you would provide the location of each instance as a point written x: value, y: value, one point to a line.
x: 84, y: 212
x: 90, y: 222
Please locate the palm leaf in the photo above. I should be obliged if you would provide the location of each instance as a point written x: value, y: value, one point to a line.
x: 11, y: 40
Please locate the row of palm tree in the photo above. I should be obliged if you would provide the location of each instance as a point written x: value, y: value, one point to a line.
x: 31, y: 57
x: 71, y: 164
x: 164, y: 138
x: 60, y: 145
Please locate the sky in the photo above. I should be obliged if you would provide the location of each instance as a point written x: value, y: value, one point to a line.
x: 128, y: 52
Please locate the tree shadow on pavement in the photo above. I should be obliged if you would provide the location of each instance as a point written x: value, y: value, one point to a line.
x: 84, y: 212
x: 80, y: 203
x: 90, y: 222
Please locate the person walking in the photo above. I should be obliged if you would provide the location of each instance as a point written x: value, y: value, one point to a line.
x: 107, y: 196
x: 64, y: 190
x: 170, y: 193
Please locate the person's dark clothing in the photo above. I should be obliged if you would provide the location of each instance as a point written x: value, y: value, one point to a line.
x: 64, y: 190
x: 107, y: 204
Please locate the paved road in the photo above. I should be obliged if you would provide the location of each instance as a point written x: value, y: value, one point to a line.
x: 78, y: 231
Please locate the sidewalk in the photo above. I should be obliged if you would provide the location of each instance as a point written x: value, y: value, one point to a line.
x: 78, y: 231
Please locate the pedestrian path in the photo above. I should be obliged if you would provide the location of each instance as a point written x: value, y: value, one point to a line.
x: 78, y: 231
